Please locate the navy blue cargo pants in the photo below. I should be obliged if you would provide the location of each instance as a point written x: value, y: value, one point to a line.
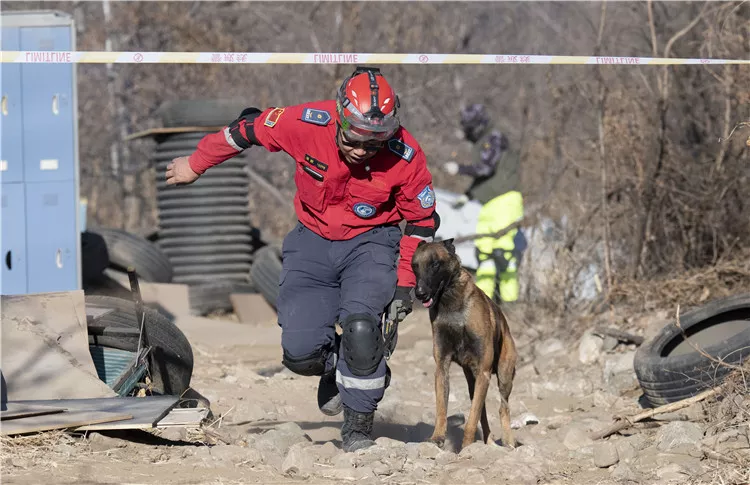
x: 325, y: 281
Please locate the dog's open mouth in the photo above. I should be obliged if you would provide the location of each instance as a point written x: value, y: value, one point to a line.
x: 428, y: 303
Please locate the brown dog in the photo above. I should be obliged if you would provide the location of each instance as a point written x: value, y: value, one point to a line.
x: 469, y: 329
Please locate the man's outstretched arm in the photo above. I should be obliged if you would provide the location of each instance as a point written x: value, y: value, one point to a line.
x: 253, y: 127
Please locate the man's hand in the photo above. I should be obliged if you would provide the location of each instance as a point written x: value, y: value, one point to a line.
x: 450, y: 167
x: 400, y: 307
x: 180, y: 173
x: 397, y: 311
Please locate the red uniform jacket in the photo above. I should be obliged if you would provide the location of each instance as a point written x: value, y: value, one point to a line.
x: 335, y: 199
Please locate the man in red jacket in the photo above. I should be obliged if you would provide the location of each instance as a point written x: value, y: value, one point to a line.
x: 359, y: 173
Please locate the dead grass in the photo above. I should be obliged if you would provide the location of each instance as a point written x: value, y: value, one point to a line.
x: 36, y: 450
x: 727, y: 277
x: 728, y: 430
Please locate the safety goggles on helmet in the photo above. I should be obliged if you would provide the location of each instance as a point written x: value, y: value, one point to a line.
x: 367, y: 106
x: 370, y: 145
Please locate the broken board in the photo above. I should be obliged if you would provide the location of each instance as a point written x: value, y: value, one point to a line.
x: 69, y: 419
x: 15, y: 411
x: 145, y: 412
x: 45, y: 352
x: 183, y: 417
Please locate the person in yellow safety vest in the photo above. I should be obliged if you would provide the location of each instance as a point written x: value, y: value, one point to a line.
x: 496, y: 185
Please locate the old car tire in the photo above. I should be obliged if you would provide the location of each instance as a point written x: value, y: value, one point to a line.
x: 94, y: 257
x: 669, y: 369
x: 172, y: 356
x: 127, y: 249
x: 265, y: 272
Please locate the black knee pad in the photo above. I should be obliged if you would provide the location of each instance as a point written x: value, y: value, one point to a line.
x: 362, y: 343
x: 312, y: 364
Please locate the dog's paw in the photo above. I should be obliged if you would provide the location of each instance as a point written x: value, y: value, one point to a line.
x: 439, y: 441
x: 510, y: 443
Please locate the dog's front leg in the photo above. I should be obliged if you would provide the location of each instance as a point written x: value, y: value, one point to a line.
x: 481, y: 383
x: 442, y: 389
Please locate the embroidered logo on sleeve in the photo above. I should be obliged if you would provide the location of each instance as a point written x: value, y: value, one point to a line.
x: 401, y: 149
x: 316, y: 116
x: 364, y: 210
x: 273, y: 117
x: 426, y: 197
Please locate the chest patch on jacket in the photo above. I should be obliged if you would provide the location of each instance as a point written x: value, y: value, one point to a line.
x: 316, y: 116
x: 364, y: 210
x: 316, y: 163
x: 401, y: 149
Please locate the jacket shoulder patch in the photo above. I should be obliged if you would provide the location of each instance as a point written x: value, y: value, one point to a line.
x: 273, y: 117
x: 401, y: 149
x: 316, y: 116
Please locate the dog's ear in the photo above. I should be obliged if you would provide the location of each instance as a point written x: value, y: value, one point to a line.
x: 421, y: 242
x: 448, y: 243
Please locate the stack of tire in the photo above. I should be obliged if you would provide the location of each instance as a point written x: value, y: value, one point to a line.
x: 204, y: 228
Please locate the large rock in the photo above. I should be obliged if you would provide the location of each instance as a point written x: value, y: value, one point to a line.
x: 274, y: 444
x: 624, y: 473
x: 299, y: 462
x: 626, y: 451
x: 428, y: 450
x: 679, y: 437
x: 481, y: 454
x: 618, y: 373
x: 605, y: 454
x: 589, y: 348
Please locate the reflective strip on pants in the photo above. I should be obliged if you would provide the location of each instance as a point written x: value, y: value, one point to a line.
x: 359, y: 383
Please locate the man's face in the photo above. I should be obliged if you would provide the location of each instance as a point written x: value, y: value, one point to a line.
x: 356, y: 152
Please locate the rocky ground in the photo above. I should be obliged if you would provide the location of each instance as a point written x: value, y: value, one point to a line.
x: 566, y: 388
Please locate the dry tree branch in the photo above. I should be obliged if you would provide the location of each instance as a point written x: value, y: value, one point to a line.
x: 741, y: 123
x: 652, y: 28
x: 625, y: 422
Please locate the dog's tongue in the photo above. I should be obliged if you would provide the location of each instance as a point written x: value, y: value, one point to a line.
x: 427, y: 303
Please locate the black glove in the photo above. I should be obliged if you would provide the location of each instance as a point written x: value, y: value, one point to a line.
x: 400, y: 306
x: 396, y: 312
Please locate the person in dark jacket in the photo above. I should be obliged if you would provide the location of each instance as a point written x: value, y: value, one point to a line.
x: 495, y: 170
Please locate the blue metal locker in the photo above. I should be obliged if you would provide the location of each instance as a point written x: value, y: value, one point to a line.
x: 48, y: 132
x: 13, y: 245
x: 51, y: 239
x: 11, y: 157
x: 40, y: 131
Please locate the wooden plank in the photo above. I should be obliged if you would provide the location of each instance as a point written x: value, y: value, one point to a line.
x: 45, y: 347
x: 15, y: 411
x: 145, y: 411
x: 183, y: 417
x: 69, y: 419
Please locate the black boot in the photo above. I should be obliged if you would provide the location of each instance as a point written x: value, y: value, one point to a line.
x: 357, y: 430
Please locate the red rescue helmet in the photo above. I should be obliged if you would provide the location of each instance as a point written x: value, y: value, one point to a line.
x: 367, y: 106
